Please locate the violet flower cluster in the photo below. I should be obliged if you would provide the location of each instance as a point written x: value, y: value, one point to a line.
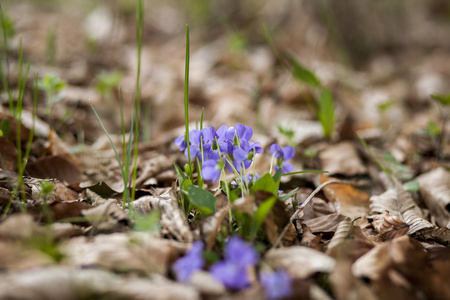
x: 226, y: 146
x: 229, y: 147
x: 233, y: 270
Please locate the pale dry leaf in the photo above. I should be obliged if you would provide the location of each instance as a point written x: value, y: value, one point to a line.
x: 327, y: 223
x: 56, y: 283
x: 435, y: 191
x: 173, y: 221
x: 120, y: 252
x: 342, y: 159
x: 107, y: 217
x: 206, y: 284
x: 400, y: 204
x: 8, y: 154
x: 374, y: 263
x: 19, y: 227
x: 300, y: 262
x: 347, y: 200
x: 343, y: 231
x: 209, y: 227
x: 390, y: 226
x: 19, y: 256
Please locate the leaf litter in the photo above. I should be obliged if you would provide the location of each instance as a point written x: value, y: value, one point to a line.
x: 65, y: 234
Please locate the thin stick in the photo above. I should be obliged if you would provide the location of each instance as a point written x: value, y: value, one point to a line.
x: 300, y: 208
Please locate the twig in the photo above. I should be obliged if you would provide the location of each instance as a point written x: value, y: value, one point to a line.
x: 300, y: 208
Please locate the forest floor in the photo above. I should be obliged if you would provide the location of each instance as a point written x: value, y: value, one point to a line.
x: 359, y: 90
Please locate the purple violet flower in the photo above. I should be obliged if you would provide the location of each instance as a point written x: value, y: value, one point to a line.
x: 240, y: 253
x: 231, y: 275
x: 233, y: 270
x: 277, y: 284
x: 282, y: 155
x: 211, y: 169
x: 191, y: 262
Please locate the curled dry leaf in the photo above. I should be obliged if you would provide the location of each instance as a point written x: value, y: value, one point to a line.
x: 206, y: 284
x: 209, y: 227
x: 435, y: 191
x: 107, y: 217
x: 172, y: 221
x: 300, y: 262
x: 348, y: 200
x: 8, y: 153
x: 389, y: 226
x: 141, y: 252
x: 56, y: 283
x: 54, y: 166
x: 400, y: 204
x: 342, y: 158
x: 343, y: 231
x: 327, y: 223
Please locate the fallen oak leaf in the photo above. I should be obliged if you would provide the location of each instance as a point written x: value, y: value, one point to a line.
x: 389, y: 226
x: 107, y: 217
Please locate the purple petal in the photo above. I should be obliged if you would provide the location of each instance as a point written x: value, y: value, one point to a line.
x: 191, y: 262
x: 275, y: 149
x: 277, y: 285
x: 240, y: 253
x: 288, y: 153
x: 231, y: 275
x: 287, y: 168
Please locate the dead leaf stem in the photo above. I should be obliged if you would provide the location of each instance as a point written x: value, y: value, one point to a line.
x: 300, y: 208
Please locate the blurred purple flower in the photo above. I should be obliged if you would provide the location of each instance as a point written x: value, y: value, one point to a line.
x: 231, y: 275
x: 282, y: 155
x: 191, y: 262
x: 233, y: 270
x: 211, y: 169
x: 240, y: 253
x: 277, y: 284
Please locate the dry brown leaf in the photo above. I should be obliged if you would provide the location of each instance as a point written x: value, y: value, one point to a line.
x: 122, y: 252
x: 18, y: 257
x: 8, y: 154
x: 327, y: 223
x: 55, y: 166
x: 348, y: 201
x: 343, y: 232
x: 173, y: 221
x: 68, y: 283
x: 389, y: 226
x: 300, y: 262
x: 400, y: 204
x: 19, y: 227
x: 206, y: 284
x: 435, y: 191
x: 342, y: 159
x: 107, y: 217
x: 209, y: 227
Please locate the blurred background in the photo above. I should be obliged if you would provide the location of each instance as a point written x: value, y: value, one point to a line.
x: 367, y: 53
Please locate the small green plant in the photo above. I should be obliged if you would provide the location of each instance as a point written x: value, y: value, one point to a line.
x: 326, y: 109
x: 107, y: 82
x: 287, y: 132
x: 52, y: 86
x: 51, y: 45
x: 443, y: 102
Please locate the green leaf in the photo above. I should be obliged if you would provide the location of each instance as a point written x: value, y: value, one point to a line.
x: 5, y: 128
x: 326, y: 112
x: 203, y: 200
x: 303, y: 74
x: 277, y: 176
x: 433, y: 130
x: 288, y: 195
x: 148, y: 223
x: 411, y: 186
x: 266, y: 183
x: 262, y: 211
x: 443, y: 99
x: 180, y: 174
